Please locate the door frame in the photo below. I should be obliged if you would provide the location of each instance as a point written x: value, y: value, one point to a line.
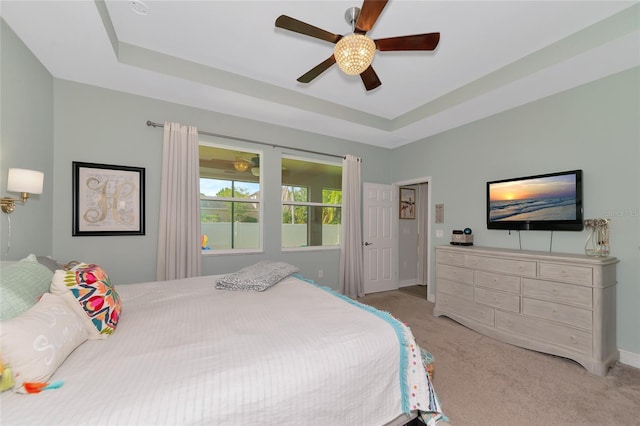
x: 426, y: 237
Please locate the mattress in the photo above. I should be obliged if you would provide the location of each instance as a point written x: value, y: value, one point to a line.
x: 186, y: 353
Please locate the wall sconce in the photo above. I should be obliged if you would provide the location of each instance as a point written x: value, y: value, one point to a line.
x: 25, y: 182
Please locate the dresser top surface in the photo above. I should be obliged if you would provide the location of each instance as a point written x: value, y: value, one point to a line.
x: 528, y: 254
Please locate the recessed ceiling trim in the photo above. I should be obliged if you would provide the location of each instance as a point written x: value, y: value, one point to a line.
x: 613, y: 27
x: 592, y: 37
x: 107, y: 23
x: 177, y: 67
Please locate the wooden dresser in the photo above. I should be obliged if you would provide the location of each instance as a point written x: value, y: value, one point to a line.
x: 561, y: 304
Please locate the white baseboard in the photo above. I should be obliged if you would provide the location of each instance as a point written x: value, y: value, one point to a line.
x: 629, y: 358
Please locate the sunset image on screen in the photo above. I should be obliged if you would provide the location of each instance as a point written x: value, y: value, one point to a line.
x: 549, y: 198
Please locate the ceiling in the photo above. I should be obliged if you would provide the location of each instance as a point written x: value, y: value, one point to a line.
x: 228, y: 57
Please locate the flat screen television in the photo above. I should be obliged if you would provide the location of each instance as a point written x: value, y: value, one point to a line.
x: 551, y: 201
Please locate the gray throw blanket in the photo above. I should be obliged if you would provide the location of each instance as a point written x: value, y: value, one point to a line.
x: 258, y: 277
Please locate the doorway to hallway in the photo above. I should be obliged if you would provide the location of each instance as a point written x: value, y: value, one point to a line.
x: 414, y: 245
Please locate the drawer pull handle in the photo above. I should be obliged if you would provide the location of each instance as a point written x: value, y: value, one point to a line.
x: 573, y: 339
x: 554, y: 313
x: 563, y: 273
x: 509, y: 323
x: 554, y: 291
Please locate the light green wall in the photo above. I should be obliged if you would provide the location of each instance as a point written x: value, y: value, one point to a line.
x: 595, y: 127
x: 26, y: 141
x: 103, y: 126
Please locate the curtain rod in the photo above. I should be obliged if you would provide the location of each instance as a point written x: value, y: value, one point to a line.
x: 152, y: 124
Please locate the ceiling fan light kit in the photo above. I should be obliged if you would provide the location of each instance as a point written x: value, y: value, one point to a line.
x: 241, y: 166
x: 354, y: 52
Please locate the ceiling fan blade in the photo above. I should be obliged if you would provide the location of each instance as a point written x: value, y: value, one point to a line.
x: 216, y: 164
x: 369, y: 13
x: 370, y: 78
x: 294, y: 25
x: 411, y: 42
x: 317, y: 70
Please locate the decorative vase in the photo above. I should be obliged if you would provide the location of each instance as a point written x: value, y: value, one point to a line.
x: 597, y: 243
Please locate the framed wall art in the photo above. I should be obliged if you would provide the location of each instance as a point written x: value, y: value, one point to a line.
x: 107, y: 200
x: 407, y: 203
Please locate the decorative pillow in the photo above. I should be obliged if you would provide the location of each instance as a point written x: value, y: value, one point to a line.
x: 88, y: 289
x: 21, y: 285
x: 36, y: 342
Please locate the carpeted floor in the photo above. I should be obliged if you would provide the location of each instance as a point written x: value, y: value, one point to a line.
x: 416, y: 290
x: 482, y: 381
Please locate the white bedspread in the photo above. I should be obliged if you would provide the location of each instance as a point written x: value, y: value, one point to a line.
x: 185, y: 353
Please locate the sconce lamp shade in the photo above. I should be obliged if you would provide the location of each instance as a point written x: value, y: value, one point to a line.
x: 23, y: 180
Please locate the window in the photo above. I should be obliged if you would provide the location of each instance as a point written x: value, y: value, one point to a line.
x: 311, y: 203
x: 229, y: 199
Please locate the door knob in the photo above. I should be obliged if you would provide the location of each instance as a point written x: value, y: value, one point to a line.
x: 366, y: 243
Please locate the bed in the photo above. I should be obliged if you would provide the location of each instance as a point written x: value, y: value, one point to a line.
x: 185, y: 352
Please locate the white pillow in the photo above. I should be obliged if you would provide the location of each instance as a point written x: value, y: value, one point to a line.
x: 36, y: 342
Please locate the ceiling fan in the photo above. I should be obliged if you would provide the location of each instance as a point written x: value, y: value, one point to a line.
x: 237, y: 165
x: 354, y: 52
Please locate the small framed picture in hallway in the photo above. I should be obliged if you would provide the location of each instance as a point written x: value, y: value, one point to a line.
x: 407, y: 203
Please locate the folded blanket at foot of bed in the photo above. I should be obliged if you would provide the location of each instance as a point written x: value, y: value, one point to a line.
x: 258, y: 277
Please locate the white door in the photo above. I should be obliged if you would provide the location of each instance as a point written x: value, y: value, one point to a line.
x: 380, y: 237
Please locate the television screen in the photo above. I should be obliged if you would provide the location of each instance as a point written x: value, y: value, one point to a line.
x: 544, y: 202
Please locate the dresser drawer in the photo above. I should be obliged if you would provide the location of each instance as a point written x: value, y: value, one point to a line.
x: 570, y: 315
x: 566, y: 273
x: 465, y: 308
x: 449, y: 258
x: 508, y: 283
x: 497, y: 299
x: 557, y: 292
x: 506, y: 266
x: 454, y: 288
x: 455, y: 273
x: 570, y: 338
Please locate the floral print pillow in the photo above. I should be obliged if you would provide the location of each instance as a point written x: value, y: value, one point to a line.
x: 88, y: 289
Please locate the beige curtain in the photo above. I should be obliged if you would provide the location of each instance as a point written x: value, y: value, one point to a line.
x: 179, y: 227
x: 351, y: 265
